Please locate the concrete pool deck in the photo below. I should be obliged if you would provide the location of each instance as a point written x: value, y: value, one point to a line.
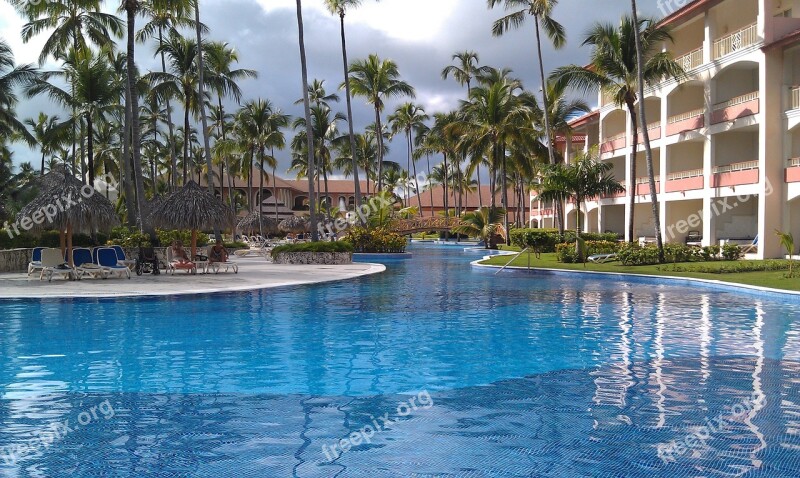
x: 254, y: 273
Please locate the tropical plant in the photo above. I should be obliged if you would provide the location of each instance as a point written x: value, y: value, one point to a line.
x: 377, y: 80
x: 613, y: 69
x: 408, y: 118
x: 787, y: 242
x: 309, y: 133
x: 49, y: 133
x: 12, y: 77
x: 486, y: 223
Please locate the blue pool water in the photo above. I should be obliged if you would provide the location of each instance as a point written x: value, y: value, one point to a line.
x: 520, y: 374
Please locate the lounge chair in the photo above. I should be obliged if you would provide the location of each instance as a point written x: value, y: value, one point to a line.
x: 107, y: 259
x: 750, y: 248
x: 603, y: 258
x: 694, y: 238
x: 82, y: 262
x: 122, y: 259
x: 36, y: 261
x: 53, y: 264
x: 216, y: 266
x: 173, y: 265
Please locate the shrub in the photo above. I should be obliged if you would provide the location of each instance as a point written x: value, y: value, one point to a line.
x: 338, y: 246
x: 22, y: 241
x: 710, y: 253
x: 375, y: 240
x: 678, y: 253
x: 129, y: 237
x: 601, y: 247
x: 731, y: 252
x: 636, y: 255
x: 235, y: 245
x: 166, y: 238
x: 545, y: 240
x: 565, y: 252
x: 737, y: 267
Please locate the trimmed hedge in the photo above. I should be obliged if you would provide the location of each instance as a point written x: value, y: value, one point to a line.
x: 47, y: 239
x: 545, y: 240
x: 375, y: 240
x: 338, y: 246
x: 565, y: 252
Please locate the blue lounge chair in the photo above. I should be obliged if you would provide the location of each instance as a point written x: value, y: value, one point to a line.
x: 107, y: 259
x: 122, y: 258
x: 750, y: 248
x: 36, y: 261
x: 83, y: 264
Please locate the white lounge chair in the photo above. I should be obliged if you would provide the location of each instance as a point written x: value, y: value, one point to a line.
x: 82, y: 262
x: 107, y: 259
x: 53, y: 264
x: 603, y: 258
x: 750, y: 248
x: 216, y: 266
x: 172, y: 265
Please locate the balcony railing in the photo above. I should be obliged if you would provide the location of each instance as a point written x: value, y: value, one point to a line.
x: 794, y: 163
x: 736, y: 101
x: 651, y: 126
x: 646, y: 180
x: 795, y: 97
x: 677, y: 176
x: 691, y: 60
x: 731, y: 168
x: 685, y: 116
x: 736, y: 41
x: 615, y: 138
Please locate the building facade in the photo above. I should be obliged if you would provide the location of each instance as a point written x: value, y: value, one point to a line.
x: 726, y: 139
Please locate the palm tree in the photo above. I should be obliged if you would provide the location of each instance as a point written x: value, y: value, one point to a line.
x: 96, y: 90
x: 613, y: 69
x: 166, y: 16
x: 49, y: 134
x: 339, y: 7
x: 442, y: 140
x: 486, y: 223
x: 12, y: 77
x: 309, y: 133
x: 408, y: 118
x: 585, y: 178
x: 541, y: 11
x: 647, y: 148
x: 377, y: 80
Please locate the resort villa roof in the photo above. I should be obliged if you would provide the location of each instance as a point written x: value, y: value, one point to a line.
x: 471, y: 200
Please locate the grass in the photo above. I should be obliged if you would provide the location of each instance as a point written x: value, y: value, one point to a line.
x: 772, y: 279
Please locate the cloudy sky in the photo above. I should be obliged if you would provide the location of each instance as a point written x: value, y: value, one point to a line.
x: 420, y: 35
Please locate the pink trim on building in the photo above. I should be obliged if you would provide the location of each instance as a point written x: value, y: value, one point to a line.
x: 735, y: 178
x: 688, y: 184
x: 686, y: 125
x: 611, y: 146
x: 642, y: 189
x: 731, y: 113
x: 793, y: 174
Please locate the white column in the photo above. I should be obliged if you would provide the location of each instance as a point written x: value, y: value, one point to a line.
x: 709, y: 217
x: 771, y: 161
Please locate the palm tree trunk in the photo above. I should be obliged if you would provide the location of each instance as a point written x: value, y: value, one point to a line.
x: 173, y: 158
x: 648, y: 150
x: 261, y: 191
x: 89, y: 147
x: 275, y: 191
x: 125, y: 167
x: 430, y: 185
x: 631, y: 184
x: 186, y: 136
x: 557, y: 211
x: 131, y: 7
x: 444, y: 187
x: 309, y: 132
x: 416, y: 180
x: 505, y: 199
x: 480, y: 193
x: 41, y: 171
x: 379, y: 135
x: 250, y: 198
x: 356, y: 182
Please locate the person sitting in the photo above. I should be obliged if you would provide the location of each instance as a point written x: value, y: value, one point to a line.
x: 218, y: 253
x: 179, y: 257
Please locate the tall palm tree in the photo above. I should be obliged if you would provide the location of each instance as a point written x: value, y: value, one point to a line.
x: 96, y: 88
x: 165, y: 17
x: 376, y: 80
x: 309, y: 133
x: 131, y: 8
x: 49, y: 133
x: 441, y: 139
x: 541, y: 11
x: 339, y: 7
x: 486, y: 223
x: 647, y: 148
x: 586, y: 177
x: 613, y: 69
x: 12, y: 77
x: 408, y: 118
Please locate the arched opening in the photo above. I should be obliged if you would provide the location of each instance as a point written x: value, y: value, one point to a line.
x: 300, y: 203
x: 735, y: 92
x: 686, y: 107
x: 613, y: 131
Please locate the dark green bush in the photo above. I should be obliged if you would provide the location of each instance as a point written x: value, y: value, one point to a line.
x: 22, y: 241
x: 710, y: 253
x: 129, y: 237
x: 565, y: 252
x: 601, y: 247
x: 736, y: 267
x: 636, y: 255
x: 165, y: 238
x: 338, y: 246
x: 732, y: 252
x: 375, y: 240
x: 545, y: 240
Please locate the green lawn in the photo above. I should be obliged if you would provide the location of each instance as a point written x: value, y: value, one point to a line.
x: 772, y: 279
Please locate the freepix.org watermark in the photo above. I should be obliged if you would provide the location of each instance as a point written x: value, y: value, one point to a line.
x: 48, y: 213
x: 696, y: 441
x: 422, y: 400
x: 362, y: 213
x: 42, y: 439
x: 668, y: 7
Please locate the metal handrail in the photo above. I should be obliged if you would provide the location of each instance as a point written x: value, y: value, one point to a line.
x: 736, y: 101
x: 693, y: 173
x: 743, y: 166
x: 512, y: 260
x: 685, y: 116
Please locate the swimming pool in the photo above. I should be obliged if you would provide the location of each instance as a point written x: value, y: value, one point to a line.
x: 432, y: 369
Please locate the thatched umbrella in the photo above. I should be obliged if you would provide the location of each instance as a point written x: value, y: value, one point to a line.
x: 250, y: 223
x: 69, y: 205
x: 295, y: 224
x: 191, y: 207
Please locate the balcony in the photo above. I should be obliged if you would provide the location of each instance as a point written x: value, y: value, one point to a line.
x: 734, y: 108
x: 617, y: 195
x: 685, y: 181
x: 542, y: 212
x: 793, y: 171
x: 689, y: 121
x: 654, y: 129
x: 794, y: 97
x: 691, y: 60
x: 643, y: 185
x: 614, y: 143
x: 736, y: 41
x: 735, y: 174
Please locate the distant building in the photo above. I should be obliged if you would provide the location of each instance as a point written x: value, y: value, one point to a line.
x: 433, y: 201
